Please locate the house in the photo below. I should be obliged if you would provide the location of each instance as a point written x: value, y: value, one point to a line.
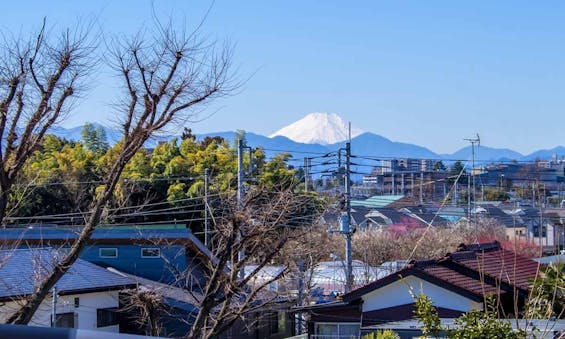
x: 87, y: 296
x: 157, y: 252
x: 385, y: 218
x: 540, y: 228
x: 426, y: 214
x: 556, y: 217
x: 457, y: 283
x: 331, y: 217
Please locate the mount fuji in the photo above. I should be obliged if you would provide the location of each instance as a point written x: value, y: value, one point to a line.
x: 318, y: 128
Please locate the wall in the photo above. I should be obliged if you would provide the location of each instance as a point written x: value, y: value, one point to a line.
x: 398, y: 293
x: 88, y: 304
x: 129, y: 260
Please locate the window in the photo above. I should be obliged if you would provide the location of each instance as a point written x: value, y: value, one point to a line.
x: 150, y: 253
x: 106, y: 317
x: 65, y: 320
x: 536, y: 231
x: 337, y: 330
x: 273, y: 322
x: 108, y: 252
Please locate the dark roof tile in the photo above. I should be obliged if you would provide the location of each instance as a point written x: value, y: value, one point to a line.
x: 22, y: 270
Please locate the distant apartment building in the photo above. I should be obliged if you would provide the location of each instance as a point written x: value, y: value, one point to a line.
x: 406, y: 165
x: 407, y: 176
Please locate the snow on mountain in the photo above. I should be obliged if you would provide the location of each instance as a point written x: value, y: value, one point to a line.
x: 318, y: 128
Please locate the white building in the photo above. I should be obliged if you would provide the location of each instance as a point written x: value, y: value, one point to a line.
x: 87, y: 295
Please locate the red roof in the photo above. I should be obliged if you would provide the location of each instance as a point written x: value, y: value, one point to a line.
x: 474, y: 270
x: 500, y: 264
x: 461, y: 280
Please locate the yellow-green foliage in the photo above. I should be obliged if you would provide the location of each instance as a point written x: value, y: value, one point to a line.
x: 385, y: 334
x: 474, y: 324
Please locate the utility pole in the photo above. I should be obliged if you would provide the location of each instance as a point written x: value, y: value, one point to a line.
x: 402, y: 184
x: 241, y: 254
x: 345, y: 217
x: 347, y: 226
x: 421, y: 187
x: 206, y: 226
x: 306, y: 170
x: 54, y: 308
x: 454, y: 202
x: 412, y: 184
x: 299, y: 316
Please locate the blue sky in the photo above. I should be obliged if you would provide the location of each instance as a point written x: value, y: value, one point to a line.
x: 424, y: 72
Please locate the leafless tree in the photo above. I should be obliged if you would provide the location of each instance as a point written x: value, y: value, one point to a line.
x: 39, y: 76
x: 253, y: 237
x: 166, y: 76
x: 148, y: 307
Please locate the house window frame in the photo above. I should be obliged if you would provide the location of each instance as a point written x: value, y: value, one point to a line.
x: 151, y: 249
x: 338, y: 324
x: 115, y: 249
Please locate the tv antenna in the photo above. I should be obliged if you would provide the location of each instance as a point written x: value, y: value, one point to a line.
x: 473, y: 141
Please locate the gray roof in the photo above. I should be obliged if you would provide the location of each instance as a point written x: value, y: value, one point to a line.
x: 21, y: 270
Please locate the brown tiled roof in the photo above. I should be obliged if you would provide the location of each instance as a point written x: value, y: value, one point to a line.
x: 463, y: 281
x: 500, y: 264
x: 474, y: 270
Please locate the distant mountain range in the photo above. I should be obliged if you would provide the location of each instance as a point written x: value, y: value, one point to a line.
x: 328, y: 130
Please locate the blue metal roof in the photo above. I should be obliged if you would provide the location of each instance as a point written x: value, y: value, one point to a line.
x: 23, y: 269
x: 377, y: 201
x: 52, y: 233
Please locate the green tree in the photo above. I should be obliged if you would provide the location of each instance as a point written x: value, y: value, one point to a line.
x: 163, y: 153
x: 94, y: 138
x: 494, y: 194
x: 277, y: 172
x: 60, y: 170
x: 457, y: 172
x: 456, y: 169
x: 439, y: 166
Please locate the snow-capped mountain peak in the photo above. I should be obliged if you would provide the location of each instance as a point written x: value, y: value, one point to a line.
x: 318, y: 128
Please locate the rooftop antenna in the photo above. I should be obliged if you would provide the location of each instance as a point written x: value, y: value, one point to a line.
x: 473, y: 141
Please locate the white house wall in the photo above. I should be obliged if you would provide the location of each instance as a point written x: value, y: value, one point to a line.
x: 88, y: 304
x: 398, y: 293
